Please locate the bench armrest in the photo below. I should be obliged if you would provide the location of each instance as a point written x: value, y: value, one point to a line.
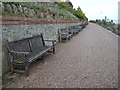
x: 24, y: 53
x: 53, y: 41
x: 50, y: 40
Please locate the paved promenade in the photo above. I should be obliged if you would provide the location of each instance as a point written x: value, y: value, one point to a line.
x: 88, y: 60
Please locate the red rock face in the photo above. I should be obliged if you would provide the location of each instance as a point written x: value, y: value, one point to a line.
x: 11, y: 20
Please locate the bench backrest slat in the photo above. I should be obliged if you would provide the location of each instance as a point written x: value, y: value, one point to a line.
x: 36, y: 42
x: 20, y: 46
x: 26, y: 45
x: 64, y: 30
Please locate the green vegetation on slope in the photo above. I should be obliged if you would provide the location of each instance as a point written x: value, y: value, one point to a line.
x: 62, y: 10
x: 77, y: 12
x: 37, y: 10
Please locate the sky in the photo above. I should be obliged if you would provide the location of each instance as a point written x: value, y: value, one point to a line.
x: 98, y: 9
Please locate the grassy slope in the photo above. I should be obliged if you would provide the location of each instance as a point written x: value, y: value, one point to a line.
x: 41, y: 8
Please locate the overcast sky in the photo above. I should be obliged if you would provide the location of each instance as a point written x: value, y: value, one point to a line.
x: 98, y: 9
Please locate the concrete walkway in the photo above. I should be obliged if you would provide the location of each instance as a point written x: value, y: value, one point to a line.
x: 88, y: 60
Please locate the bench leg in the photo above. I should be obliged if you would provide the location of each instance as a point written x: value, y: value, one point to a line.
x: 53, y: 50
x: 12, y: 68
x: 67, y: 39
x: 27, y: 70
x: 42, y: 57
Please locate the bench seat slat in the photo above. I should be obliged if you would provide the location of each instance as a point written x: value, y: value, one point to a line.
x: 38, y: 53
x: 34, y: 55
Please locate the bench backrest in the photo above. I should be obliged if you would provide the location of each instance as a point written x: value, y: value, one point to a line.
x: 26, y: 45
x: 70, y: 30
x: 36, y: 42
x: 20, y: 46
x: 64, y: 30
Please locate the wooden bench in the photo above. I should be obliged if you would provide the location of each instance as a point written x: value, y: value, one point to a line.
x: 77, y: 29
x: 64, y: 34
x: 71, y: 30
x: 74, y: 29
x: 24, y: 52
